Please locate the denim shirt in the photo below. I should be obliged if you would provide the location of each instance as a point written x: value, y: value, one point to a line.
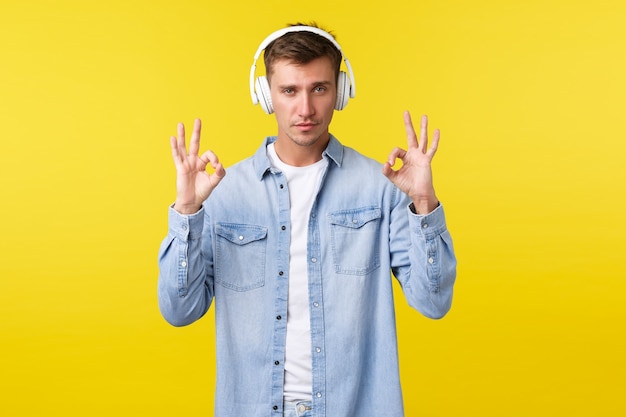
x: 234, y: 253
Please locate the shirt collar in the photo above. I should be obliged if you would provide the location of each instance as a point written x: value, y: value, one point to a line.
x: 333, y: 152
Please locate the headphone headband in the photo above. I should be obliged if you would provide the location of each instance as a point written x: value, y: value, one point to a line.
x: 272, y: 37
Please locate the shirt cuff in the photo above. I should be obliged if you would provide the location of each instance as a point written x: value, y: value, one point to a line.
x: 185, y: 226
x: 428, y: 225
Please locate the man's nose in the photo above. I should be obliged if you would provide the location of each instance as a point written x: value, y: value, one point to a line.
x: 305, y: 105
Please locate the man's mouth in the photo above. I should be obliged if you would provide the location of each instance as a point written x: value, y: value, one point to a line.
x: 305, y: 126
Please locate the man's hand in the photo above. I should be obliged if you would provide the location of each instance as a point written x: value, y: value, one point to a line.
x: 415, y: 176
x: 193, y: 182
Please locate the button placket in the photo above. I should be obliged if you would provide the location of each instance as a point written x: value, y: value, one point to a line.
x: 281, y: 226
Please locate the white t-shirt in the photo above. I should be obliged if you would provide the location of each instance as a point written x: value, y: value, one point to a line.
x: 303, y: 184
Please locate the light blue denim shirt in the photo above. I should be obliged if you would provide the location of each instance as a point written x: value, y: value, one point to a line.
x: 235, y: 253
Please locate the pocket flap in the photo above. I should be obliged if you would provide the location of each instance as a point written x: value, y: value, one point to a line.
x: 240, y: 234
x: 355, y: 218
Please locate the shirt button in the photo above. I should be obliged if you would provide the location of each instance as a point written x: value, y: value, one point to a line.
x: 425, y: 225
x: 282, y: 186
x: 276, y: 363
x: 240, y: 237
x: 183, y: 264
x: 318, y: 350
x: 184, y: 226
x: 316, y: 304
x: 281, y: 273
x: 355, y: 221
x: 283, y: 228
x: 279, y: 317
x: 431, y: 260
x: 314, y: 260
x: 318, y: 395
x: 275, y: 408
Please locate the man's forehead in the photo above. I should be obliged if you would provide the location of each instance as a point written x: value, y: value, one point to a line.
x: 320, y: 66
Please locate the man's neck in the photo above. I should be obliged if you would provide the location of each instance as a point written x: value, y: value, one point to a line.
x: 299, y: 155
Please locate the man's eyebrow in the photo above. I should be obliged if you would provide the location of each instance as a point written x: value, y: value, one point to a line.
x: 313, y: 84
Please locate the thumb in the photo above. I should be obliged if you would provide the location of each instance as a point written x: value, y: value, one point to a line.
x: 389, y: 172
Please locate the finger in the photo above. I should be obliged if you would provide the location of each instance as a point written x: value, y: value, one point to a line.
x: 410, y: 131
x: 423, y: 144
x: 182, y: 149
x: 174, y: 146
x: 396, y: 153
x: 434, y: 144
x: 389, y: 172
x: 219, y: 171
x: 194, y: 144
x: 209, y: 157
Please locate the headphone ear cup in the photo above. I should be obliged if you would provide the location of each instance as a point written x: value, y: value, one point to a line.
x: 343, y: 91
x: 263, y: 94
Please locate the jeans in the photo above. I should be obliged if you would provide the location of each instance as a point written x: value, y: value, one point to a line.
x: 297, y: 409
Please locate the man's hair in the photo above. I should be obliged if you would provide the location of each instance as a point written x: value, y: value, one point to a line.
x: 301, y: 47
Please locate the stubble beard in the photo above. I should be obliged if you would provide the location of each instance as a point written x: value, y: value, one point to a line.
x: 307, y: 141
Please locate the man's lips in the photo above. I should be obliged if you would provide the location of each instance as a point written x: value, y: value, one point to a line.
x: 305, y: 125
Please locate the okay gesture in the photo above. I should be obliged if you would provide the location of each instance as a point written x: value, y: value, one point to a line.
x: 415, y: 177
x: 193, y: 182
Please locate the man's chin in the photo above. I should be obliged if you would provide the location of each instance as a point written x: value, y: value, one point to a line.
x: 307, y: 138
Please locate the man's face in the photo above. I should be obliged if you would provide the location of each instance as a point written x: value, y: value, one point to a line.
x: 303, y: 97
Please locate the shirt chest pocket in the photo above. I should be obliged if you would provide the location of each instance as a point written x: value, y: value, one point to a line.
x: 240, y: 255
x: 355, y: 240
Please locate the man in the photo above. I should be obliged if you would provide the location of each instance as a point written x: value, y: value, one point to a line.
x: 294, y: 246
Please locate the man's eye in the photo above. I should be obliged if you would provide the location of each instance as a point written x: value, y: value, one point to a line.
x: 320, y: 89
x: 288, y: 91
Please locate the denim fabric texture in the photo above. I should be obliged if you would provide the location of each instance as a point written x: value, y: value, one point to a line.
x: 234, y: 254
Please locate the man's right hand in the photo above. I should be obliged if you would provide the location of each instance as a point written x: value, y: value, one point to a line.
x: 193, y: 182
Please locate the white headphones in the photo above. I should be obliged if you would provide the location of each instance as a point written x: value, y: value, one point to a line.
x: 260, y: 91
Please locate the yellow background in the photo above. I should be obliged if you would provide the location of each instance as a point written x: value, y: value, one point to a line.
x: 529, y: 97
